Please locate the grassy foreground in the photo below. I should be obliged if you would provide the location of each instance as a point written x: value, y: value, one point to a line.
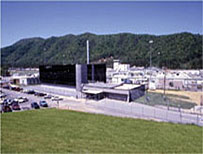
x: 62, y: 131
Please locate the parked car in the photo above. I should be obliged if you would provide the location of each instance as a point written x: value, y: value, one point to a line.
x: 48, y: 97
x: 39, y: 94
x: 30, y: 92
x: 43, y: 104
x: 22, y: 99
x: 6, y: 86
x: 5, y: 107
x: 16, y: 88
x: 56, y: 98
x: 15, y: 106
x: 35, y: 105
x: 25, y: 91
x: 9, y: 101
x: 2, y: 95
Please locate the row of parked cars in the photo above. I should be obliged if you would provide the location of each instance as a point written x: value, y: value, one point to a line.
x: 40, y: 94
x: 8, y: 105
x: 13, y: 104
x: 15, y: 88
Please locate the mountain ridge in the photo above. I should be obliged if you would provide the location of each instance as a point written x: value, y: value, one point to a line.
x: 177, y: 51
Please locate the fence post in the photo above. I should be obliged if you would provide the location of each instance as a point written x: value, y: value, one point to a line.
x: 142, y: 111
x: 180, y: 113
x: 197, y: 119
x: 166, y: 115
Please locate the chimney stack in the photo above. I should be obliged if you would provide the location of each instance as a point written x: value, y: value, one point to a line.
x: 88, y: 60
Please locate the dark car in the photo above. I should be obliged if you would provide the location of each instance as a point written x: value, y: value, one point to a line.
x: 9, y: 101
x: 30, y: 92
x: 39, y: 94
x: 15, y: 106
x: 2, y: 95
x: 43, y: 104
x: 47, y: 97
x: 16, y: 88
x: 5, y: 107
x: 6, y: 86
x: 35, y: 105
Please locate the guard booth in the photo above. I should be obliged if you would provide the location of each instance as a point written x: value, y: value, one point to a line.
x: 93, y: 94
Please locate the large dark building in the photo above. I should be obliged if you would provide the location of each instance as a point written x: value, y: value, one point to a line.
x: 89, y: 81
x: 66, y: 74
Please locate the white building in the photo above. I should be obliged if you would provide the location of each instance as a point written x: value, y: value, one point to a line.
x: 24, y: 80
x: 117, y: 66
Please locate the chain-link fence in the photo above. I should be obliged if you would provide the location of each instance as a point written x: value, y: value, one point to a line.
x: 136, y: 110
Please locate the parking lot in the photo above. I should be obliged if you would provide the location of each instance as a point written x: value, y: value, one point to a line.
x: 13, y: 95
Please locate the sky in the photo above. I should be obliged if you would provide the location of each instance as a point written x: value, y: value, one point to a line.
x: 45, y: 19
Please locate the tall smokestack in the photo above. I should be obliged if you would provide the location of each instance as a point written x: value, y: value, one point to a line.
x: 88, y: 58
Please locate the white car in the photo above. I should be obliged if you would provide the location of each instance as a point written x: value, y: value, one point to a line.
x: 21, y: 99
x: 56, y: 98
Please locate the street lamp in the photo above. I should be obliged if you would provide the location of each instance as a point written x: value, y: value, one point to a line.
x: 150, y: 50
x: 150, y: 42
x: 159, y: 60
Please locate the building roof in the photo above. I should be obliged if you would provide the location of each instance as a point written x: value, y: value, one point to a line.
x: 127, y: 86
x: 102, y: 85
x: 92, y: 91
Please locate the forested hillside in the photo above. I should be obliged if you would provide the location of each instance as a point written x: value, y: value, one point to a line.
x: 177, y: 51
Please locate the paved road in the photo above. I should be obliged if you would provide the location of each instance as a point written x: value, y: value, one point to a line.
x: 115, y: 108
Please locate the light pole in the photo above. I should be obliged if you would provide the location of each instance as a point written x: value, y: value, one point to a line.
x: 150, y: 42
x: 150, y: 59
x: 159, y: 59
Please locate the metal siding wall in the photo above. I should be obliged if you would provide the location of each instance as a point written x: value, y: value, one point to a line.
x: 58, y: 74
x: 136, y: 93
x: 116, y: 96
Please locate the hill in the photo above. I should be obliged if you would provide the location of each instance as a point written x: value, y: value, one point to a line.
x: 62, y: 131
x: 176, y: 51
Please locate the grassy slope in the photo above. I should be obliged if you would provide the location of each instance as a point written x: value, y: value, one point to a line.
x: 172, y: 99
x: 54, y: 130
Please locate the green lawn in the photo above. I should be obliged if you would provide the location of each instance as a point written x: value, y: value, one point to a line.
x: 52, y: 130
x: 171, y: 99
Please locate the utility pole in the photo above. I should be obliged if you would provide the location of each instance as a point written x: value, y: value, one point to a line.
x: 164, y: 83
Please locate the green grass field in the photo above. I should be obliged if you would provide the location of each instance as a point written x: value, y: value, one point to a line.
x: 59, y: 131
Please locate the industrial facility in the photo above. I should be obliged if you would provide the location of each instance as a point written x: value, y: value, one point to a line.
x: 89, y: 81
